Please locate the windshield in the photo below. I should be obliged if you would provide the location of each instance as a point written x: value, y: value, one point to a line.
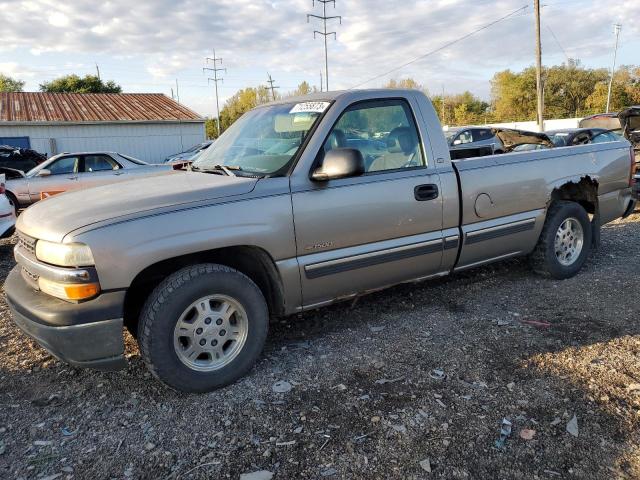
x: 450, y: 133
x: 263, y: 141
x: 559, y: 139
x: 137, y: 161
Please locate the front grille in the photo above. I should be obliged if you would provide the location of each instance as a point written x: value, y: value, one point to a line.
x: 27, y: 243
x: 30, y: 277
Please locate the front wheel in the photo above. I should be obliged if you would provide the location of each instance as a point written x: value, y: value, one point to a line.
x: 203, y: 327
x: 564, y: 243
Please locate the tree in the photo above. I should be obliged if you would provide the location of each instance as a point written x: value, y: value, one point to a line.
x: 8, y: 84
x: 303, y: 89
x: 241, y: 102
x: 405, y: 83
x: 461, y: 109
x: 74, y: 84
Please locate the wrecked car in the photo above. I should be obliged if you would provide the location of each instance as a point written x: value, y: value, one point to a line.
x: 626, y: 123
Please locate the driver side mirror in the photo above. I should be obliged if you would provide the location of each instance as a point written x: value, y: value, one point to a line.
x: 339, y: 163
x: 45, y: 172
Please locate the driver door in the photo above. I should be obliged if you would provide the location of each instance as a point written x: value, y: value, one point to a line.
x: 377, y: 229
x: 63, y: 176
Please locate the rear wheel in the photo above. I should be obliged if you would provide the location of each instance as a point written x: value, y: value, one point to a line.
x: 203, y: 328
x: 565, y: 241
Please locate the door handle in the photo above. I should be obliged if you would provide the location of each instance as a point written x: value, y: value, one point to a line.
x: 426, y: 192
x: 73, y: 178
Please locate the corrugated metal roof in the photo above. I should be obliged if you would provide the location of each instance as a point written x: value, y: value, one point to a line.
x: 42, y: 107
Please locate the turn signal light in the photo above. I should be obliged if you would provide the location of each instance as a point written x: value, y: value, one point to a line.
x: 66, y: 291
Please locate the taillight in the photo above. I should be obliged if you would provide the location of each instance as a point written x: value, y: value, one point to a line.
x: 2, y: 188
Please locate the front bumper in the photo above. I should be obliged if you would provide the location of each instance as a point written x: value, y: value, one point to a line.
x: 87, y: 334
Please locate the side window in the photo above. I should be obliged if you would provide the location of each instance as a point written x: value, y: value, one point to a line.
x: 63, y: 165
x: 465, y: 137
x: 383, y: 131
x: 99, y: 163
x: 481, y: 134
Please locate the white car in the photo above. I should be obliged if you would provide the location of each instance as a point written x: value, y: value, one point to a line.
x: 74, y: 171
x: 7, y: 212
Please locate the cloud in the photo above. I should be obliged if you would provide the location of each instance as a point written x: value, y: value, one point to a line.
x: 169, y: 36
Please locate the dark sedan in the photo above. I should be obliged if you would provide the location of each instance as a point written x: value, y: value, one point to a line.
x: 581, y: 136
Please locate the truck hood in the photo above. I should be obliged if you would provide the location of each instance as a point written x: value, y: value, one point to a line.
x: 511, y: 138
x: 55, y: 217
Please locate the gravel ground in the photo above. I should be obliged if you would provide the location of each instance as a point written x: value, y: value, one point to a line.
x: 419, y: 373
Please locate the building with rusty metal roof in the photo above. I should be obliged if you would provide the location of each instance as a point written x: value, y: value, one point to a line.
x: 149, y: 126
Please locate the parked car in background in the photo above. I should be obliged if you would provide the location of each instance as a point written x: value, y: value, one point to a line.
x: 7, y: 212
x: 581, y: 136
x: 626, y: 123
x: 23, y: 159
x: 72, y: 171
x: 189, y: 155
x: 471, y: 137
x: 196, y: 263
x: 513, y: 140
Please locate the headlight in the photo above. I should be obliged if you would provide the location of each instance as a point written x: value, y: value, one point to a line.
x: 64, y: 254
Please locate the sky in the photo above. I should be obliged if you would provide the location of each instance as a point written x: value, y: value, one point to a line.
x: 145, y: 45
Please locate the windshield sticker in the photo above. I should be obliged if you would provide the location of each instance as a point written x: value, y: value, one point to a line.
x: 317, y: 107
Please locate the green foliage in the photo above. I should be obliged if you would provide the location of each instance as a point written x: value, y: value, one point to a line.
x: 461, y: 109
x: 241, y: 102
x: 570, y: 90
x: 8, y: 84
x: 74, y: 84
x: 405, y: 83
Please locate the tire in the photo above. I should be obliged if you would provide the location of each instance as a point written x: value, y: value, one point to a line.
x: 189, y: 298
x: 553, y: 262
x: 13, y: 201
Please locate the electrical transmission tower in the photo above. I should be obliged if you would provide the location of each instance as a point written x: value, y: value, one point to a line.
x: 273, y: 89
x: 215, y: 80
x: 324, y: 32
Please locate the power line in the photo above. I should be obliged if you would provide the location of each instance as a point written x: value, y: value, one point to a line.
x: 439, y: 49
x: 324, y: 32
x: 215, y: 80
x: 271, y: 81
x: 561, y: 48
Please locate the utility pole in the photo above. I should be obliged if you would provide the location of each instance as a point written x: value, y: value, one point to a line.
x: 324, y: 32
x: 98, y: 71
x: 271, y: 81
x: 536, y: 5
x: 617, y: 27
x: 320, y: 80
x: 215, y: 80
x: 177, y: 91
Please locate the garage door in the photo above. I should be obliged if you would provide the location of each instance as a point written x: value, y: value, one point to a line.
x: 18, y: 142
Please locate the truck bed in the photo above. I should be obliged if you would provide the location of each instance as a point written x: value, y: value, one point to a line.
x: 503, y: 197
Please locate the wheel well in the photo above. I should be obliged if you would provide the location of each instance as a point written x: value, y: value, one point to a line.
x: 585, y: 192
x: 254, y: 262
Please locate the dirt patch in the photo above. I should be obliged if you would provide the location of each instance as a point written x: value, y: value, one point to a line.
x: 417, y: 372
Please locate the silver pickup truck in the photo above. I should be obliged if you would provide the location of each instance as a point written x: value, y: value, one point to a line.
x: 301, y: 203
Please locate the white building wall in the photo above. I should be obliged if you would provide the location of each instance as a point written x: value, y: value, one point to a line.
x: 151, y: 142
